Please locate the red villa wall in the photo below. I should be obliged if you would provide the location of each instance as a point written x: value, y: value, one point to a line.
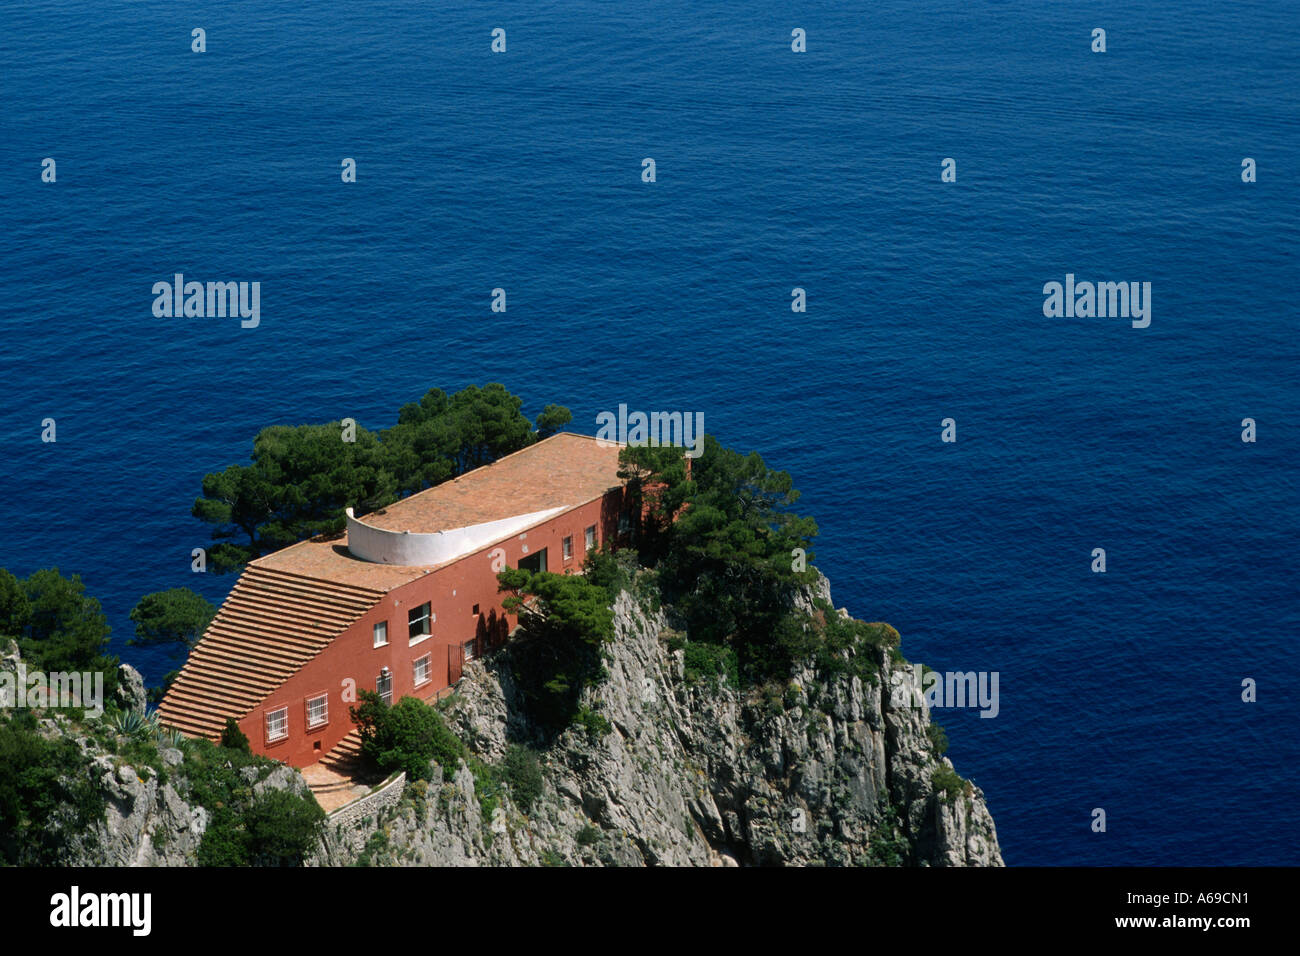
x: 452, y: 591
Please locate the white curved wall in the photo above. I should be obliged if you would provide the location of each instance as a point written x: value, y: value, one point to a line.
x: 381, y: 546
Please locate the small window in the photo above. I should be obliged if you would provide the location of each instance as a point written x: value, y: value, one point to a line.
x: 418, y: 622
x: 424, y: 670
x: 471, y: 650
x: 475, y: 611
x: 568, y: 549
x: 591, y: 538
x: 318, y: 710
x: 277, y: 724
x: 624, y: 523
x: 381, y: 634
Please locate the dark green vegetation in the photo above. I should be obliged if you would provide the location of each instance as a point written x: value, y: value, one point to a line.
x: 731, y: 564
x: 274, y: 828
x: 564, y: 622
x: 410, y: 735
x: 521, y: 771
x: 233, y: 738
x: 405, y: 736
x: 302, y: 477
x: 177, y: 617
x: 48, y: 798
x: 58, y: 627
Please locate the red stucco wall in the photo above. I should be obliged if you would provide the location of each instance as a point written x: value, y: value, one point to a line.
x: 452, y: 591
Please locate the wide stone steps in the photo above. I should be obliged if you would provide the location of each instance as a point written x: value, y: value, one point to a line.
x: 272, y: 624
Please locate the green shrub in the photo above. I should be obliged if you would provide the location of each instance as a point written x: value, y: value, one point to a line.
x: 376, y: 845
x: 888, y: 845
x: 565, y: 621
x: 523, y: 773
x: 595, y: 723
x: 50, y: 800
x: 588, y: 836
x: 406, y: 736
x: 948, y: 783
x: 712, y: 664
x: 938, y: 740
x: 234, y: 738
x: 281, y: 828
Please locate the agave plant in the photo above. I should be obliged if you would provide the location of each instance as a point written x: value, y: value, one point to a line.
x: 170, y: 737
x: 150, y: 725
x: 129, y: 722
x: 136, y: 723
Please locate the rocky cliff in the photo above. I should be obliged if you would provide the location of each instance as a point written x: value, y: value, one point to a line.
x: 673, y: 770
x: 692, y: 773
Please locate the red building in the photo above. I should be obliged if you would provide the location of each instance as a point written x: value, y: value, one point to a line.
x: 396, y: 604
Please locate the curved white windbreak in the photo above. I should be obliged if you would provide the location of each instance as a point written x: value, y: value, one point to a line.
x: 380, y: 546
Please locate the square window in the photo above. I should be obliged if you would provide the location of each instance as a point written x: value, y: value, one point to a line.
x: 277, y: 724
x: 381, y: 634
x: 424, y: 670
x: 318, y: 710
x: 417, y: 619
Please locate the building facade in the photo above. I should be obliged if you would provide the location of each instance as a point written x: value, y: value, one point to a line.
x: 397, y: 604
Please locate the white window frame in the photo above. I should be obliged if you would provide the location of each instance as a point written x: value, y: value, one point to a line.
x: 272, y: 737
x: 324, y: 719
x: 470, y: 649
x: 567, y: 546
x: 590, y: 537
x: 384, y: 626
x: 427, y: 661
x: 427, y: 618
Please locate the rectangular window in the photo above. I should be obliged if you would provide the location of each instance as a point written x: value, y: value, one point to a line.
x: 591, y: 538
x: 475, y: 611
x: 277, y: 724
x: 568, y: 549
x: 471, y: 650
x: 318, y: 710
x: 424, y: 670
x: 384, y: 686
x: 418, y: 622
x: 381, y: 634
x: 624, y: 523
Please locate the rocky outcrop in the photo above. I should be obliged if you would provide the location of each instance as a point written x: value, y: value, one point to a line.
x: 669, y: 770
x: 695, y: 774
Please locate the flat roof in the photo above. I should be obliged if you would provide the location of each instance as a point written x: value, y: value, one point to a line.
x: 563, y: 471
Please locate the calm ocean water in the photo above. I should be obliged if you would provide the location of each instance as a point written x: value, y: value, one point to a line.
x: 775, y: 170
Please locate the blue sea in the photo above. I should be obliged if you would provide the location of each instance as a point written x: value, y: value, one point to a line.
x: 774, y: 170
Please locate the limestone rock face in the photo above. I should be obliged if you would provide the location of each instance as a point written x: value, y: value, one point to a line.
x: 694, y: 775
x: 831, y: 771
x: 130, y: 690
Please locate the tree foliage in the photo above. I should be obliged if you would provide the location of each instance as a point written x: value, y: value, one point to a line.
x: 564, y: 619
x: 58, y: 627
x: 48, y: 796
x: 301, y: 478
x: 728, y: 560
x: 405, y: 736
x: 177, y: 616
